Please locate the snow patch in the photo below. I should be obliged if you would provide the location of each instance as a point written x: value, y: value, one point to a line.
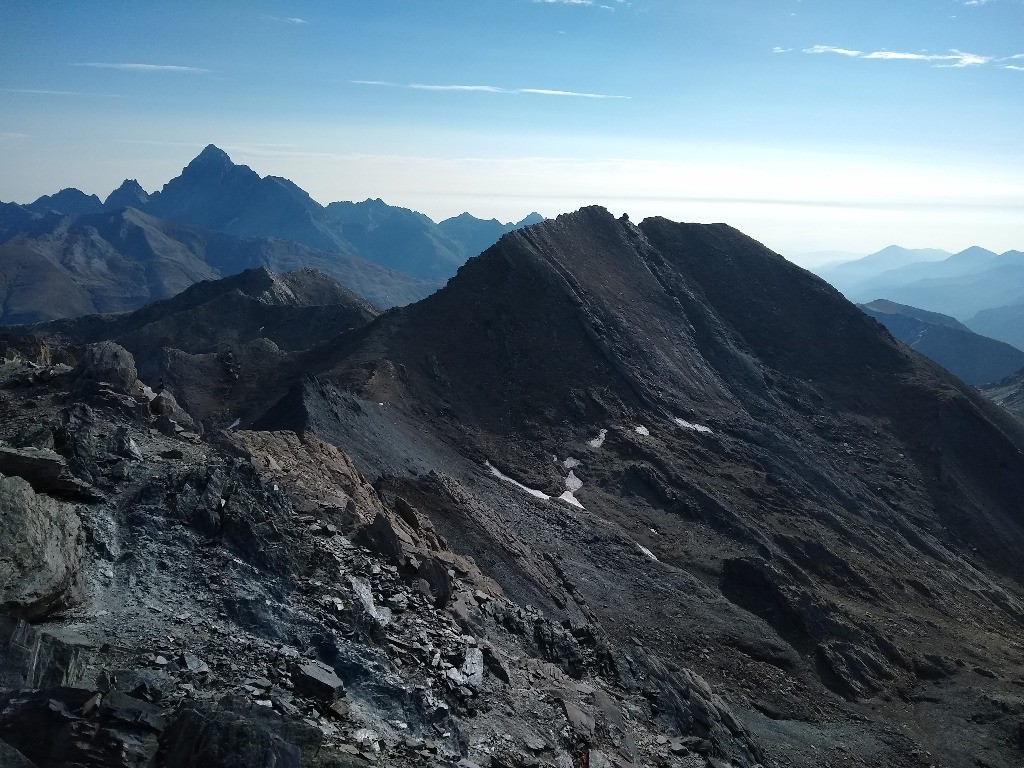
x: 598, y: 441
x: 568, y: 497
x: 572, y: 463
x: 646, y: 551
x: 573, y: 483
x: 642, y: 431
x: 502, y: 476
x: 234, y: 424
x: 695, y: 427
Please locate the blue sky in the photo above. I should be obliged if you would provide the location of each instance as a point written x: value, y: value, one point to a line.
x: 809, y: 124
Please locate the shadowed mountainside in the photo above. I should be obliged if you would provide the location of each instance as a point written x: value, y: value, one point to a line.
x: 974, y: 358
x: 819, y: 502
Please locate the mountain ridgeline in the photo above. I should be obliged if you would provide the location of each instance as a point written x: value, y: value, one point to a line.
x: 216, y: 219
x: 680, y: 501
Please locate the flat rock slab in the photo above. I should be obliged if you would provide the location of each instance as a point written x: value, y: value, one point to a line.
x: 317, y: 681
x: 46, y: 471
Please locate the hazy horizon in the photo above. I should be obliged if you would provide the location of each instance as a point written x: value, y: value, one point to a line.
x: 811, y: 126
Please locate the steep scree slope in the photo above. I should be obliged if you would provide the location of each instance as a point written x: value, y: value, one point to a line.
x: 827, y: 521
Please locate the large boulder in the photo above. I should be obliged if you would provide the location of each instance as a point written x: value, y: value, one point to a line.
x: 41, y: 549
x: 107, y: 364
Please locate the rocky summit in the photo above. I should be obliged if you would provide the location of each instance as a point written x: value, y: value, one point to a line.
x: 618, y: 495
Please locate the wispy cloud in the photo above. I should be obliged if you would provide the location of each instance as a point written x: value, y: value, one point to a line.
x: 1014, y: 67
x: 591, y: 3
x: 287, y: 19
x: 489, y: 89
x: 832, y: 49
x: 132, y: 67
x: 955, y: 59
x: 426, y: 87
x: 11, y: 136
x: 39, y: 92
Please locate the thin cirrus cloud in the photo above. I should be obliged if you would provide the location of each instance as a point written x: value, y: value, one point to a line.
x: 134, y: 67
x: 287, y: 19
x: 39, y: 92
x: 571, y: 2
x: 955, y: 59
x: 489, y: 89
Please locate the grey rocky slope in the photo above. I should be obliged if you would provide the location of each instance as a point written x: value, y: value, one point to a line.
x: 691, y: 458
x: 251, y: 599
x: 829, y: 515
x: 972, y: 357
x: 1008, y: 391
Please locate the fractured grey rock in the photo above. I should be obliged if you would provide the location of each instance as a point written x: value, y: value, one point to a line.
x: 33, y: 659
x: 473, y: 668
x: 41, y: 549
x: 317, y: 681
x: 222, y: 739
x: 46, y: 471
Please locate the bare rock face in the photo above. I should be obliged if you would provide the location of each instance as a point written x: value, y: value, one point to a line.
x: 223, y: 739
x: 41, y: 551
x: 33, y: 659
x: 109, y: 364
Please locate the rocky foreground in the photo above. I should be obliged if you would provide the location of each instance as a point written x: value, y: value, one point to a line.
x: 248, y: 598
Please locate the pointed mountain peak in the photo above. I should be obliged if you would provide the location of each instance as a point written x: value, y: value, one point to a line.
x: 212, y: 157
x: 129, y: 195
x: 529, y: 219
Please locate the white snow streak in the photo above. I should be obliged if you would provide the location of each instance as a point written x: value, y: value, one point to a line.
x: 695, y: 427
x: 500, y: 475
x: 569, y: 498
x: 598, y: 441
x: 642, y: 431
x: 646, y: 551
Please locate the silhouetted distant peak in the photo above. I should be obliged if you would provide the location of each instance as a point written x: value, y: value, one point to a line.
x: 129, y: 195
x: 530, y: 219
x: 213, y: 154
x: 465, y: 216
x: 212, y: 159
x: 975, y: 253
x: 67, y: 201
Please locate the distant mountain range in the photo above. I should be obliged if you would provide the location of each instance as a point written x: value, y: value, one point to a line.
x: 214, y: 193
x: 974, y: 358
x: 982, y: 289
x: 70, y: 253
x: 960, y: 284
x: 848, y: 274
x: 55, y: 265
